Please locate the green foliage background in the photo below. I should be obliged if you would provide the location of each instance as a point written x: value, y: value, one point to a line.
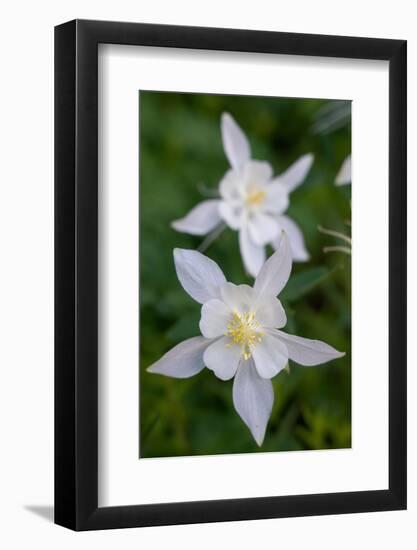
x: 181, y: 156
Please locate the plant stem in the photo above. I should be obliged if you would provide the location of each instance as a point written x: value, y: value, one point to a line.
x: 344, y: 249
x: 335, y: 234
x: 217, y: 231
x: 207, y: 192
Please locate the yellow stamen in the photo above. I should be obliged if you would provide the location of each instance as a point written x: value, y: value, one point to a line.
x: 242, y: 330
x: 255, y: 196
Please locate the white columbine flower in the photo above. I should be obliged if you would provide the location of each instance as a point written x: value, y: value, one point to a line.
x: 344, y: 176
x: 241, y: 336
x: 251, y: 201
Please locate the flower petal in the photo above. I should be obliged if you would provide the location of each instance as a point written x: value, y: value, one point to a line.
x: 270, y: 356
x: 184, y: 360
x: 232, y: 186
x: 199, y: 276
x: 262, y: 228
x: 238, y: 297
x: 295, y: 236
x: 214, y: 318
x: 270, y: 313
x: 253, y: 398
x: 253, y: 255
x: 235, y: 143
x: 231, y: 214
x: 276, y: 270
x: 344, y: 175
x: 308, y: 352
x: 257, y: 172
x: 201, y: 219
x: 222, y: 358
x: 277, y: 199
x: 296, y: 173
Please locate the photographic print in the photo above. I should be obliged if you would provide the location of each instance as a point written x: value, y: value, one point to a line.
x: 203, y: 246
x: 245, y: 274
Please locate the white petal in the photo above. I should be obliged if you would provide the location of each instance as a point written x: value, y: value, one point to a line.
x: 235, y: 143
x: 215, y: 316
x: 199, y: 276
x: 184, y: 360
x: 257, y: 172
x: 238, y: 297
x: 270, y: 313
x: 295, y: 236
x: 296, y: 173
x: 253, y: 255
x: 231, y: 214
x: 308, y: 352
x: 277, y: 199
x: 232, y: 186
x: 270, y: 356
x: 276, y: 270
x: 344, y: 175
x: 263, y: 228
x: 253, y: 398
x: 200, y: 220
x: 222, y: 358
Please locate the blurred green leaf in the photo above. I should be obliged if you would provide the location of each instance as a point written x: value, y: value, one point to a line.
x: 184, y: 328
x: 305, y: 281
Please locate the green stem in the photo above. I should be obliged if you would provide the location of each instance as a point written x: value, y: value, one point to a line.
x: 344, y: 249
x: 217, y: 231
x: 335, y: 234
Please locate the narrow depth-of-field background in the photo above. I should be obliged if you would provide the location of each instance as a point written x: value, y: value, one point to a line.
x: 181, y: 163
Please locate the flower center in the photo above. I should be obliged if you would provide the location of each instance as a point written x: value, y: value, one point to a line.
x: 243, y: 330
x: 255, y: 196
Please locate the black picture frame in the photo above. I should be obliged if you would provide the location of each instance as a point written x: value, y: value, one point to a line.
x: 76, y: 272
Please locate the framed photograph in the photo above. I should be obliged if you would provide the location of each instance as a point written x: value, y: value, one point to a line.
x: 230, y: 253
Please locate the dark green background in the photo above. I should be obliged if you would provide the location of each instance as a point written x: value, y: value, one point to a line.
x: 181, y: 154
